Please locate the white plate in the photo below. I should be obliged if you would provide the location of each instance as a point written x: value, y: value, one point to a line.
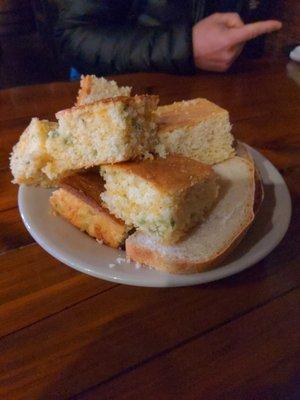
x: 79, y: 251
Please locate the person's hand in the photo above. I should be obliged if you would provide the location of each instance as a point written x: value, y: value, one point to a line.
x: 219, y: 39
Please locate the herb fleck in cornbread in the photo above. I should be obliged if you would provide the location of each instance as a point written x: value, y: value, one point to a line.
x: 197, y: 129
x: 162, y: 197
x: 106, y: 131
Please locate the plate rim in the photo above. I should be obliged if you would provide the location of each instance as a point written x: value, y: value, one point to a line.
x: 176, y: 280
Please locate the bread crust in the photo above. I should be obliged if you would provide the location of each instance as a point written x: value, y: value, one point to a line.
x: 259, y: 194
x: 184, y: 114
x: 170, y: 174
x: 87, y: 185
x: 150, y: 257
x: 111, y: 100
x: 78, y: 201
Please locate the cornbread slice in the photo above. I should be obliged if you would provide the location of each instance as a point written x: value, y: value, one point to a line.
x: 162, y: 197
x: 30, y: 155
x: 210, y: 242
x: 107, y: 131
x: 78, y: 201
x: 197, y: 129
x: 93, y: 89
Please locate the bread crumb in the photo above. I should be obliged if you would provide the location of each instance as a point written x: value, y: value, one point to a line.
x: 111, y: 265
x: 138, y: 265
x: 121, y: 260
x: 99, y: 241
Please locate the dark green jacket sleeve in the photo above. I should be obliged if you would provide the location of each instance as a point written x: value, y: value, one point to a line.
x: 100, y: 40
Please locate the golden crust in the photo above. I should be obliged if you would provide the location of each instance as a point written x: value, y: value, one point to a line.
x: 149, y: 257
x: 98, y: 224
x: 184, y: 114
x: 112, y: 100
x: 86, y: 184
x: 243, y: 152
x: 170, y: 174
x: 78, y: 201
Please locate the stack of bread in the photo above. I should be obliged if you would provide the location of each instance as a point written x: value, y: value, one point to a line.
x: 166, y: 181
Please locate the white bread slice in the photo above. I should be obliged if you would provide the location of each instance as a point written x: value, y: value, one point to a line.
x: 197, y: 129
x: 211, y: 241
x: 94, y: 89
x: 242, y: 151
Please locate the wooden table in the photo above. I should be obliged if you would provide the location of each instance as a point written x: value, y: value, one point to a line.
x: 65, y: 334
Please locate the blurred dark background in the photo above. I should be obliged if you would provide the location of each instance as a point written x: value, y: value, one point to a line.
x: 28, y: 55
x: 27, y: 51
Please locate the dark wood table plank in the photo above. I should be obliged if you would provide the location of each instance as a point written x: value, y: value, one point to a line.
x: 275, y: 130
x: 254, y: 357
x: 31, y: 290
x: 36, y: 100
x: 258, y: 89
x: 8, y: 197
x: 105, y: 335
x: 240, y: 92
x: 27, y: 260
x: 13, y: 233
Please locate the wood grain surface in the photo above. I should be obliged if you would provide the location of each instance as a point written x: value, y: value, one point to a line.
x: 68, y: 335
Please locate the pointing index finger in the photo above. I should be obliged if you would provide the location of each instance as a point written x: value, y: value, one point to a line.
x: 251, y: 31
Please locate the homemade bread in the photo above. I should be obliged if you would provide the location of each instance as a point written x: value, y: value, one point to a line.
x: 30, y: 155
x: 107, y: 131
x: 78, y: 201
x: 209, y: 243
x: 93, y: 89
x: 162, y: 197
x: 242, y: 151
x: 197, y: 129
